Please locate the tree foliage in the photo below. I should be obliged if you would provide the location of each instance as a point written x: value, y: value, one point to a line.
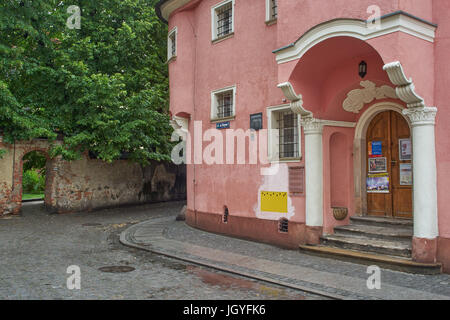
x: 102, y: 87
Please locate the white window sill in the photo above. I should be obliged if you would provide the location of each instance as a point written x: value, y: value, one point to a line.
x: 223, y: 119
x: 172, y: 58
x: 222, y: 38
x: 271, y: 22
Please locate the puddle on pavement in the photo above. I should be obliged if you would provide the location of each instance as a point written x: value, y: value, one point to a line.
x: 116, y: 269
x: 92, y: 224
x: 227, y: 282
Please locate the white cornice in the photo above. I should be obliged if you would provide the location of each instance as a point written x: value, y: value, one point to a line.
x: 363, y: 30
x: 296, y: 99
x: 334, y: 123
x: 405, y: 87
x: 170, y: 6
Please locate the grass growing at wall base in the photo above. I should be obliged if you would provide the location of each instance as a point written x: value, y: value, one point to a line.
x: 33, y: 196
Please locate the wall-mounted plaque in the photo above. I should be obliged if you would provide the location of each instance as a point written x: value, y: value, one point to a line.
x: 377, y: 165
x: 272, y: 201
x: 256, y: 122
x: 296, y: 180
x: 223, y: 125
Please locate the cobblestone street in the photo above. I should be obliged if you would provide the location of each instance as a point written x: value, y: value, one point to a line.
x: 37, y: 248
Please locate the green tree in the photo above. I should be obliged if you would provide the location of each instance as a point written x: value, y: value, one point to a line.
x: 103, y: 87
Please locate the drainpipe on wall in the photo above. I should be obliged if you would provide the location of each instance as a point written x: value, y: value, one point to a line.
x: 193, y: 115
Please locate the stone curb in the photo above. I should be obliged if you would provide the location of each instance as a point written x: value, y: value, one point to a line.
x: 126, y: 238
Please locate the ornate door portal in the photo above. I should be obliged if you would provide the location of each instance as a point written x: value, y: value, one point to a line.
x: 389, y: 166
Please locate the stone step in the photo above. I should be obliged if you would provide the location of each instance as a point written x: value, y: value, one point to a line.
x: 364, y: 244
x: 381, y: 222
x: 376, y: 232
x: 383, y: 261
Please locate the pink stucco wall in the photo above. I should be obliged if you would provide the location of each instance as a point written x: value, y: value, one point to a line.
x: 323, y: 76
x: 442, y: 102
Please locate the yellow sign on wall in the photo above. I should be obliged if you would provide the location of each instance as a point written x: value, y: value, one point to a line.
x: 274, y: 201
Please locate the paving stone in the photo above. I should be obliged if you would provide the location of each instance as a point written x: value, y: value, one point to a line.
x: 37, y: 248
x: 395, y: 285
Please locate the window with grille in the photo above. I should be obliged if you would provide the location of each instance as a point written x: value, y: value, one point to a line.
x: 271, y: 10
x: 288, y: 134
x: 284, y: 142
x: 223, y: 103
x: 172, y: 44
x: 223, y: 19
x: 274, y: 8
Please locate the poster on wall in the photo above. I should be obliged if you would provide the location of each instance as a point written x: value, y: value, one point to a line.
x: 378, y: 183
x: 377, y: 165
x: 405, y: 149
x: 406, y: 176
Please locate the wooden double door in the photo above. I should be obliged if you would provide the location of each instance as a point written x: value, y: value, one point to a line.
x: 389, y: 166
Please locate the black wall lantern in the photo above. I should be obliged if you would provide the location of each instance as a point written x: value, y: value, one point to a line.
x: 362, y: 69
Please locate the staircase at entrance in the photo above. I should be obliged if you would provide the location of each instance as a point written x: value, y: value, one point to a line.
x: 385, y: 242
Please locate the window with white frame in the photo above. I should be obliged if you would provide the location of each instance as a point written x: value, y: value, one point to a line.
x: 284, y: 136
x: 271, y: 10
x: 172, y: 44
x: 222, y: 16
x: 223, y: 103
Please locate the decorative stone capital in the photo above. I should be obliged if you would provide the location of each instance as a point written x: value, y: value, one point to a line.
x: 421, y: 116
x: 312, y: 126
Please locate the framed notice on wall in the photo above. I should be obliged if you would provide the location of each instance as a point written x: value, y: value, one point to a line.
x: 405, y: 149
x: 377, y: 165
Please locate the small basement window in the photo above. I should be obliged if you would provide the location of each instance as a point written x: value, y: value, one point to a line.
x: 283, y: 225
x: 225, y: 214
x: 222, y: 19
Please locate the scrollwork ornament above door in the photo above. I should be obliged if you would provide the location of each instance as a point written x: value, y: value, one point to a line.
x: 356, y: 99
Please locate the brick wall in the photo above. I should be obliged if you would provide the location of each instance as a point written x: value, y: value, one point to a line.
x: 89, y: 184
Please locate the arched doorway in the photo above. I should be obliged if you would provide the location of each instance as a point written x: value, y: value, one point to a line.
x: 371, y: 128
x: 389, y: 166
x: 34, y: 173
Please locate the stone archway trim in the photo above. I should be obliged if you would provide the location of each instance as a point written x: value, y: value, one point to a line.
x: 395, y: 22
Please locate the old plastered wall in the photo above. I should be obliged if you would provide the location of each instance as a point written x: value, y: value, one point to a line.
x: 89, y: 184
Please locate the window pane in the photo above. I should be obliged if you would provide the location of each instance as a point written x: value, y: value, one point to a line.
x: 225, y: 104
x: 288, y: 134
x: 274, y: 9
x: 224, y: 19
x: 172, y: 44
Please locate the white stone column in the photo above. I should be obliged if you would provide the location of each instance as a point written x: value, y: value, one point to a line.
x: 313, y: 171
x: 424, y: 172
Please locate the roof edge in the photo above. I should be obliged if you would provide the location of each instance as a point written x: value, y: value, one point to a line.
x: 158, y: 10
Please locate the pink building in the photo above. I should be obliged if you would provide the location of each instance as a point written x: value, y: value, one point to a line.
x: 352, y: 101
